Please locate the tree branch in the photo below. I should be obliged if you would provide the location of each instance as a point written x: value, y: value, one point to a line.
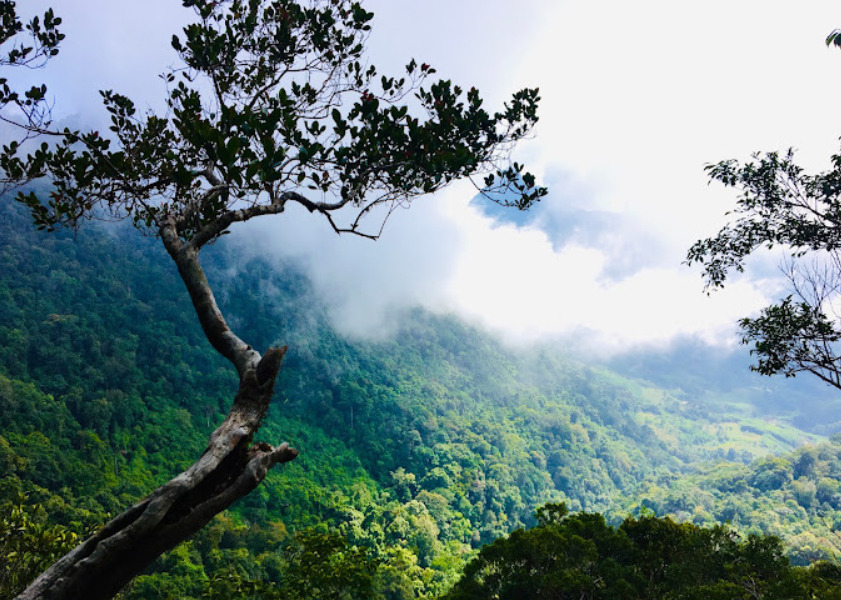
x: 225, y: 341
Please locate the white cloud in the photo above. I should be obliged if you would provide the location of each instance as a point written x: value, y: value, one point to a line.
x: 364, y: 283
x: 637, y: 97
x: 515, y: 281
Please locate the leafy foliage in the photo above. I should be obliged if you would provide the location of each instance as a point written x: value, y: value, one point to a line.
x: 778, y: 205
x: 32, y: 44
x: 794, y: 496
x: 781, y: 205
x: 790, y: 337
x: 28, y: 544
x: 581, y: 557
x: 438, y: 442
x: 273, y: 99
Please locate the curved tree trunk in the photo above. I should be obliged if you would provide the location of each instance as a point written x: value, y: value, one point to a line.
x: 229, y: 468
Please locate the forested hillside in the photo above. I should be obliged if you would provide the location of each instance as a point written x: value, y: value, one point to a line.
x: 796, y: 496
x: 415, y: 451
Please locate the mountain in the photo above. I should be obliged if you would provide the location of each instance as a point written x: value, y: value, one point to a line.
x: 415, y: 450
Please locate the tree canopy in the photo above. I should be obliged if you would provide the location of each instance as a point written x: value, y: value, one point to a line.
x: 581, y: 557
x: 273, y: 103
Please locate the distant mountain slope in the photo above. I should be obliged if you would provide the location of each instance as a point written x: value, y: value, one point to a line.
x: 718, y: 378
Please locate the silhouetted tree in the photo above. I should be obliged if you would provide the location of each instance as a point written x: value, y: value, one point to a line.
x: 272, y: 105
x: 781, y: 205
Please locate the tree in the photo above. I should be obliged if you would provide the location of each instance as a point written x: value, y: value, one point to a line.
x: 781, y: 205
x: 323, y: 565
x: 271, y: 106
x: 581, y: 557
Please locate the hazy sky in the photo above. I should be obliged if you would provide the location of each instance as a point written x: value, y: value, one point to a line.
x: 637, y: 97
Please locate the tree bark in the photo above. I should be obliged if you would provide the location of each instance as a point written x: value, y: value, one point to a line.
x: 229, y: 468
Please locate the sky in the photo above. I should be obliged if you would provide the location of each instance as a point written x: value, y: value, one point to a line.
x: 636, y: 98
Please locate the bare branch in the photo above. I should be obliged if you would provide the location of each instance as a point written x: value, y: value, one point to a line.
x: 225, y: 341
